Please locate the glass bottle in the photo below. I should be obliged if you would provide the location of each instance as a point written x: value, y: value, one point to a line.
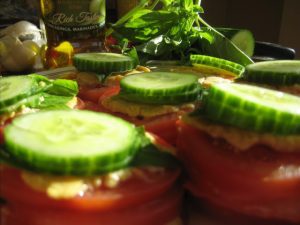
x: 72, y: 26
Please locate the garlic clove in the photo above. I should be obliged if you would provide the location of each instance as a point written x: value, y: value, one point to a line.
x: 17, y: 56
x: 23, y: 30
x: 32, y: 46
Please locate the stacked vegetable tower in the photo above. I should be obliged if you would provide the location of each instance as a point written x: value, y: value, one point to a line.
x: 93, y: 165
x: 240, y: 146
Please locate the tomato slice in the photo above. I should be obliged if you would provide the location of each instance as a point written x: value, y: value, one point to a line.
x: 159, y: 211
x: 164, y: 126
x: 259, y: 182
x: 1, y: 134
x: 133, y: 191
x: 138, y: 199
x: 94, y: 94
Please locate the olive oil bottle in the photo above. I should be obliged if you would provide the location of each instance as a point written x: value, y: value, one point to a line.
x: 72, y: 26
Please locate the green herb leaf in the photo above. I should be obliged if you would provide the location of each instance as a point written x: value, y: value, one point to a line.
x: 222, y: 47
x: 63, y: 87
x: 147, y: 24
x: 171, y: 29
x: 54, y: 102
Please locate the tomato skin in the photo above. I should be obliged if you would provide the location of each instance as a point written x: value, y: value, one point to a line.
x: 165, y: 127
x: 160, y: 212
x: 95, y: 94
x: 158, y: 193
x: 117, y: 198
x: 243, y: 182
x: 1, y: 134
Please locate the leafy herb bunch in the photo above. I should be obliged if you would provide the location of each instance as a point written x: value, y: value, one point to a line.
x: 171, y: 30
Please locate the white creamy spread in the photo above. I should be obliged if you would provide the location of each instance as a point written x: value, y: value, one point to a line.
x: 242, y: 140
x: 133, y: 109
x: 72, y: 103
x: 22, y: 110
x: 62, y: 187
x: 206, y: 82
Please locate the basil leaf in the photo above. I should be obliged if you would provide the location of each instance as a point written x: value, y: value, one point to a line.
x: 54, y: 102
x: 147, y: 24
x: 63, y: 87
x: 150, y: 155
x: 222, y: 47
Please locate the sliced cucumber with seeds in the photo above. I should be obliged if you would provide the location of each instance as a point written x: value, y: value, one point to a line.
x: 216, y: 66
x: 15, y: 88
x: 242, y: 38
x: 103, y: 63
x: 70, y: 142
x: 278, y: 72
x: 252, y: 108
x: 160, y: 88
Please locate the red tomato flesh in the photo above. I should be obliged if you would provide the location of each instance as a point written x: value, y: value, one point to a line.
x: 259, y: 182
x: 154, y: 199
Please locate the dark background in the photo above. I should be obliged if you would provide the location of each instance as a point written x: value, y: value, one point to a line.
x: 276, y: 21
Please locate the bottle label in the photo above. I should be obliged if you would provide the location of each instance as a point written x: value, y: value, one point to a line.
x: 74, y: 15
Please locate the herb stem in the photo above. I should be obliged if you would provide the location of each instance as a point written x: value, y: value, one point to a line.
x: 127, y: 16
x: 154, y: 4
x: 203, y: 22
x: 198, y: 2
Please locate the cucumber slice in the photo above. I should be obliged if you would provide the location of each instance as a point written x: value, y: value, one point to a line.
x: 278, y: 72
x: 103, y: 63
x: 15, y: 88
x: 71, y: 142
x: 162, y: 99
x: 32, y: 101
x: 242, y: 38
x: 216, y: 66
x: 160, y: 88
x: 252, y: 108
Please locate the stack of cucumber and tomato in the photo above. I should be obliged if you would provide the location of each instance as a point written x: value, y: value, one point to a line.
x: 61, y: 165
x: 236, y: 144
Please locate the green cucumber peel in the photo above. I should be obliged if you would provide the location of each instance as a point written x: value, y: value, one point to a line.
x: 175, y: 99
x: 15, y: 88
x: 251, y: 108
x: 104, y: 62
x: 219, y: 63
x: 146, y: 154
x: 160, y: 88
x: 71, y: 142
x: 278, y: 72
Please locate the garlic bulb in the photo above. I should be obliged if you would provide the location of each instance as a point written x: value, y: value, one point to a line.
x: 23, y: 30
x: 19, y: 46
